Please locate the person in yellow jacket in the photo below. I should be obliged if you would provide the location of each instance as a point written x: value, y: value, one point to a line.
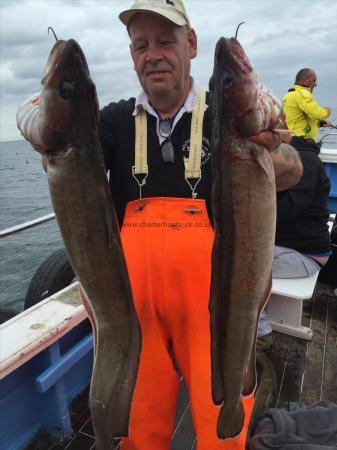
x: 303, y: 115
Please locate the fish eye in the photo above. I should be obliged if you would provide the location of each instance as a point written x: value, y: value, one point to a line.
x: 227, y: 79
x: 67, y: 90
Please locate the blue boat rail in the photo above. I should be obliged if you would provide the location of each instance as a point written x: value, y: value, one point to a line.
x: 46, y: 361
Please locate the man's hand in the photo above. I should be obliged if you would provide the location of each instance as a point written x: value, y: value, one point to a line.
x: 272, y: 139
x: 325, y: 123
x: 328, y: 109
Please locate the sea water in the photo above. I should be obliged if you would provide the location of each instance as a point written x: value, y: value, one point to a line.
x: 24, y: 196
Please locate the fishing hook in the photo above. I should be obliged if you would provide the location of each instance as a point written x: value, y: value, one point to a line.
x: 50, y: 28
x: 237, y: 29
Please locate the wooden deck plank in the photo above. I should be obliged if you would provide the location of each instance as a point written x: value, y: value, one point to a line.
x: 329, y: 390
x: 299, y: 364
x: 280, y: 355
x: 312, y: 380
x: 294, y: 369
x: 183, y: 436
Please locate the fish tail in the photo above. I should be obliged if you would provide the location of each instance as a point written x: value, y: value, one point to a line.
x: 230, y: 421
x: 217, y: 384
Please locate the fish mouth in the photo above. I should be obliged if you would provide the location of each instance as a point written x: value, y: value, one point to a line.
x: 222, y: 50
x: 224, y: 65
x: 231, y: 58
x: 65, y: 55
x: 236, y: 49
x: 222, y: 45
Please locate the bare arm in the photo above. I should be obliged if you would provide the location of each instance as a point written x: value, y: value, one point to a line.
x: 287, y: 166
x: 287, y: 163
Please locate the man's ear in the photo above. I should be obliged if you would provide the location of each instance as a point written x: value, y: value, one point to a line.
x: 193, y: 42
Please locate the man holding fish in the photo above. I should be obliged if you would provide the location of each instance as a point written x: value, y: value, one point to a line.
x: 157, y: 149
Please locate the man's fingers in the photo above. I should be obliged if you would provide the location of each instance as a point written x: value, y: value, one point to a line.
x: 268, y: 139
x: 285, y: 135
x: 272, y: 139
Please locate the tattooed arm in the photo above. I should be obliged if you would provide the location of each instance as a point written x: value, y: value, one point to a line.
x: 287, y: 166
x: 287, y: 163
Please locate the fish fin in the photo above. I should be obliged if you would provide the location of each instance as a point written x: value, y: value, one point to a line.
x: 250, y: 380
x: 44, y: 162
x: 263, y: 158
x: 230, y: 421
x: 215, y: 313
x: 250, y: 377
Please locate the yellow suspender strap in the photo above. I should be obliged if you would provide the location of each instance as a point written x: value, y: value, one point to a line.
x: 140, y: 170
x: 193, y: 162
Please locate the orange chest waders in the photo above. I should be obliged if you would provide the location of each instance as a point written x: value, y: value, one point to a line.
x: 167, y: 244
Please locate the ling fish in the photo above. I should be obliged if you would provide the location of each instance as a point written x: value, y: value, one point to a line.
x: 244, y: 210
x: 63, y: 125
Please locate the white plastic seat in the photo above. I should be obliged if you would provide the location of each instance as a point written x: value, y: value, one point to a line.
x: 284, y: 308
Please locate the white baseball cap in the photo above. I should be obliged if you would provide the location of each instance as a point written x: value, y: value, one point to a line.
x: 172, y: 10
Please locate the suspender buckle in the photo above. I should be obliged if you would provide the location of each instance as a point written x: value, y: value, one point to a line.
x: 193, y: 183
x: 140, y: 178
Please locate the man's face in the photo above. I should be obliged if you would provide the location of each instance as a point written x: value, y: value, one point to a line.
x: 161, y: 52
x: 311, y: 80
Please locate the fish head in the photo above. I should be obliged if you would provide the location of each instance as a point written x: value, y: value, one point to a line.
x: 246, y: 105
x: 68, y: 102
x: 234, y: 78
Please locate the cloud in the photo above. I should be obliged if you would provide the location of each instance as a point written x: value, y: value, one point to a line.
x: 280, y: 37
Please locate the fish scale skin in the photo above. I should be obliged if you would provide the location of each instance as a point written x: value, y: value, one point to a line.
x: 244, y: 210
x: 67, y: 131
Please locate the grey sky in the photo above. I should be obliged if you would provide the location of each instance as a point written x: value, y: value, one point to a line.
x: 280, y: 37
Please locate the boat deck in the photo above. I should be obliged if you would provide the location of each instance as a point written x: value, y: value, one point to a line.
x: 306, y: 372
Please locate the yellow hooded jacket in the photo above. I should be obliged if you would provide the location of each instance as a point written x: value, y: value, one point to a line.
x: 302, y: 112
